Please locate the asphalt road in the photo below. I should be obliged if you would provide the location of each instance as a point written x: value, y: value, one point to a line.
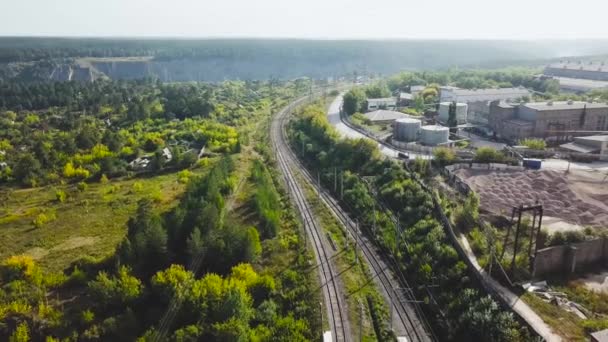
x: 333, y: 115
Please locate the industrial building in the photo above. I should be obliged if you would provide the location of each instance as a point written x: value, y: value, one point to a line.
x: 449, y: 94
x: 546, y: 120
x: 579, y: 85
x: 578, y: 69
x: 381, y: 103
x: 478, y: 100
x: 461, y: 112
x: 384, y: 116
x: 595, y: 144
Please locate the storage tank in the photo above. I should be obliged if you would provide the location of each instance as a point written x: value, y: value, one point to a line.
x: 461, y: 112
x: 406, y: 129
x: 434, y: 135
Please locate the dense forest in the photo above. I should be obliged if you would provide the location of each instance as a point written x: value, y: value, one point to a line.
x: 41, y: 59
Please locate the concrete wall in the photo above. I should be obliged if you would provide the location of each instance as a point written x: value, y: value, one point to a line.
x: 568, y: 259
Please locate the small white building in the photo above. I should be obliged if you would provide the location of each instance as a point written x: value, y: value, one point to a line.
x: 381, y: 103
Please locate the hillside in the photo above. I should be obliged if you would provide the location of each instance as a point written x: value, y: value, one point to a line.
x: 37, y: 59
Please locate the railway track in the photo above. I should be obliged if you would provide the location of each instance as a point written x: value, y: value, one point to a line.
x: 336, y: 308
x: 408, y: 315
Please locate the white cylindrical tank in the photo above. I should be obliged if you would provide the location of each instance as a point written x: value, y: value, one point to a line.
x: 461, y: 112
x: 433, y: 135
x: 406, y: 129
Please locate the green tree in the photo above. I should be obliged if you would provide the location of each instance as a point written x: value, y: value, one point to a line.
x: 27, y: 170
x: 21, y: 333
x: 116, y: 291
x: 354, y: 100
x: 145, y: 247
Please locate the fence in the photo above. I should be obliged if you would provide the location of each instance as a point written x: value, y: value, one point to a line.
x: 566, y: 259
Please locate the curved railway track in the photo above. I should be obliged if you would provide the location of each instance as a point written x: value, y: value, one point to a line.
x: 408, y: 314
x: 336, y: 308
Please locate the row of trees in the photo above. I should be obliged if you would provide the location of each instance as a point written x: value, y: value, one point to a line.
x: 457, y: 310
x: 476, y: 79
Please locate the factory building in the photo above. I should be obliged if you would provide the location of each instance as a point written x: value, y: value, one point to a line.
x: 578, y: 85
x: 449, y: 94
x: 547, y: 120
x: 461, y: 112
x: 583, y: 70
x: 478, y: 100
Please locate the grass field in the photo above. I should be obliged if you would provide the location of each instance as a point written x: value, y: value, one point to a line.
x: 88, y: 223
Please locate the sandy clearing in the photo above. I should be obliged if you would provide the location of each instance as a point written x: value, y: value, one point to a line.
x: 578, y: 198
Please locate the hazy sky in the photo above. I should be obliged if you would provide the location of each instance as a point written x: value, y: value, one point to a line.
x: 507, y: 19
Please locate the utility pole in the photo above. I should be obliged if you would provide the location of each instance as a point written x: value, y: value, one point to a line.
x: 391, y: 313
x: 335, y: 179
x: 374, y: 223
x: 360, y: 322
x: 341, y: 185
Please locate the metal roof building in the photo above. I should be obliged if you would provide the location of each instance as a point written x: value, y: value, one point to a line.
x: 380, y: 116
x: 579, y: 69
x: 449, y: 94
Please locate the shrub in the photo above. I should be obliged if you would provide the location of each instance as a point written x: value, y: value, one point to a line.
x: 70, y: 171
x: 87, y: 317
x: 61, y: 196
x: 82, y: 186
x: 488, y: 155
x: 535, y: 144
x: 137, y: 187
x: 444, y: 155
x: 184, y: 176
x: 42, y: 219
x: 19, y: 267
x: 103, y: 179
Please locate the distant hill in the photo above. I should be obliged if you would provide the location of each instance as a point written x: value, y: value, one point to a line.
x: 39, y: 59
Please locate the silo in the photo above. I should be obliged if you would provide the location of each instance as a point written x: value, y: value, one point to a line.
x: 406, y: 129
x: 433, y: 135
x: 461, y: 112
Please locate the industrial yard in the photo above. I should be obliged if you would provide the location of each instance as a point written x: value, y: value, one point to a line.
x: 574, y: 200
